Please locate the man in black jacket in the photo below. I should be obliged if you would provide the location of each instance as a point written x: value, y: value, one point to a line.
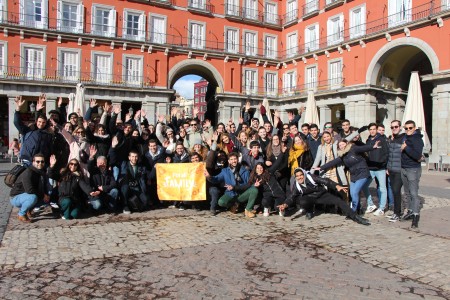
x: 309, y: 190
x: 412, y: 148
x: 29, y: 187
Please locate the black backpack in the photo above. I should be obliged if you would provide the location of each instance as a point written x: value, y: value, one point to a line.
x: 12, y: 175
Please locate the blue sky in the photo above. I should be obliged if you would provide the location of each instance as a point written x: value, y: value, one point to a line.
x: 185, y: 86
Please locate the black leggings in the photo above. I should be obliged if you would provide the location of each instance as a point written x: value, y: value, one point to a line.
x: 307, y: 203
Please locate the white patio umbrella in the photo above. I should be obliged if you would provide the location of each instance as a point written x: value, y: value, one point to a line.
x: 70, y: 105
x: 414, y: 108
x: 78, y: 104
x: 311, y: 113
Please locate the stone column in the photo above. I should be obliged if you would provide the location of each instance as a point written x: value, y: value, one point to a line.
x: 283, y: 115
x: 350, y: 113
x: 50, y: 104
x: 325, y: 115
x: 399, y: 108
x: 13, y: 132
x: 236, y: 114
x: 441, y: 126
x: 370, y: 109
x: 151, y: 110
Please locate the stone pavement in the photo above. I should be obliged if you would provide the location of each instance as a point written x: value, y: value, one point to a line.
x: 171, y: 254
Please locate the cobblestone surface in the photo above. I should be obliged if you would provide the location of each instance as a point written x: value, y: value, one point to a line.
x: 190, y: 255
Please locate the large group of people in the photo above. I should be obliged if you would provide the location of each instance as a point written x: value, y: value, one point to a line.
x: 97, y: 162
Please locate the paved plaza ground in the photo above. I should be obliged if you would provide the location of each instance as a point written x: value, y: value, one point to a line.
x: 188, y: 254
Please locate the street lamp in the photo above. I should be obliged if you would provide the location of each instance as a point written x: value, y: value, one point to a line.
x: 338, y: 114
x: 131, y: 111
x: 32, y: 107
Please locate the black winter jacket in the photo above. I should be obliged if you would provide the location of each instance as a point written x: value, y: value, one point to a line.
x: 31, y: 181
x: 412, y: 153
x: 98, y: 178
x: 73, y: 187
x: 394, y: 163
x: 310, y: 191
x: 378, y: 157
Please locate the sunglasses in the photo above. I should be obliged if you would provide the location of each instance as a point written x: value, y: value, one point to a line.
x: 409, y: 128
x: 328, y: 127
x: 394, y: 127
x: 286, y: 128
x: 194, y: 124
x: 39, y: 161
x: 73, y: 164
x: 79, y: 132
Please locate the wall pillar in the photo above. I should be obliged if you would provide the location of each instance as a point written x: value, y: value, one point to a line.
x: 350, y: 113
x: 325, y: 115
x: 13, y: 132
x: 441, y: 126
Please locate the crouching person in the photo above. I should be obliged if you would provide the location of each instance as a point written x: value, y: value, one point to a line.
x: 30, y: 187
x: 103, y: 183
x: 309, y: 190
x: 73, y: 189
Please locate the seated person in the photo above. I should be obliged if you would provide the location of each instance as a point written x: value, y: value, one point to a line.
x: 29, y: 187
x: 310, y: 189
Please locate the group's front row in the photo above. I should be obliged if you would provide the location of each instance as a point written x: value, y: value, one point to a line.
x: 71, y: 192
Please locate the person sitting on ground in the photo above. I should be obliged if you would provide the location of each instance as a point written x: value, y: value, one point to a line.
x: 235, y: 177
x: 310, y: 190
x: 72, y: 189
x: 30, y: 187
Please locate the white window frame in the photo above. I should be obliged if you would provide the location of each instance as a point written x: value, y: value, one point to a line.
x: 111, y: 26
x: 157, y: 37
x: 3, y: 10
x: 311, y: 6
x: 250, y: 9
x: 231, y: 46
x: 250, y: 50
x: 358, y: 27
x: 270, y: 83
x: 4, y: 58
x: 250, y: 89
x: 335, y: 80
x: 335, y: 29
x: 399, y: 13
x: 311, y: 45
x: 24, y: 67
x: 291, y: 10
x: 271, y: 12
x: 311, y: 82
x: 445, y: 4
x: 198, y: 4
x: 140, y: 36
x: 61, y: 64
x: 29, y: 19
x: 232, y: 7
x: 108, y: 77
x: 194, y: 41
x: 270, y: 53
x: 79, y: 19
x: 125, y: 76
x: 289, y: 82
x: 291, y: 50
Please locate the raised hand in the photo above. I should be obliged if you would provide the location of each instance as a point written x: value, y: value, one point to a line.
x: 92, y: 151
x: 127, y: 117
x: 161, y: 118
x: 114, y: 142
x: 52, y: 161
x: 257, y: 183
x: 117, y: 109
x: 195, y: 111
x: 93, y: 103
x: 247, y: 106
x: 41, y: 102
x: 107, y: 107
x: 19, y: 102
x: 137, y: 116
x: 166, y: 143
x: 277, y: 114
x: 215, y: 136
x: 143, y: 114
x: 60, y: 101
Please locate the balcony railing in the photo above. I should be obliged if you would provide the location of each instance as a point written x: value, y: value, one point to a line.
x: 328, y: 4
x: 201, y: 6
x: 60, y: 77
x: 311, y: 8
x: 290, y: 17
x: 233, y: 10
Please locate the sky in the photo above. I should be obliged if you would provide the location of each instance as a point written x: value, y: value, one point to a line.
x: 185, y: 85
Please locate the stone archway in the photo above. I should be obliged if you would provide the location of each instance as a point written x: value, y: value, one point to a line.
x: 196, y: 67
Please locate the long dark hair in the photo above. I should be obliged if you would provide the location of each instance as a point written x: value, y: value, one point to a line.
x: 265, y: 176
x: 66, y: 173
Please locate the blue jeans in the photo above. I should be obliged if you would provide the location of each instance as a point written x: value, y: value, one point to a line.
x: 381, y: 177
x: 410, y: 179
x: 109, y: 200
x: 25, y: 202
x: 390, y: 193
x: 355, y: 189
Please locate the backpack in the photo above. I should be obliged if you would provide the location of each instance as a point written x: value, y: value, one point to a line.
x: 12, y: 175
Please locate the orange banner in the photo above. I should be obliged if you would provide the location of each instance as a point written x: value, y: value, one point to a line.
x: 181, y: 182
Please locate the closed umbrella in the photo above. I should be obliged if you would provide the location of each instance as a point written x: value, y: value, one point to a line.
x: 70, y: 105
x: 414, y: 108
x: 78, y: 104
x: 311, y: 113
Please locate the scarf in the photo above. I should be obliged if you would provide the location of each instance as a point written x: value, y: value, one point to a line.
x: 294, y: 153
x: 229, y: 147
x: 307, y: 177
x: 345, y: 151
x: 276, y: 150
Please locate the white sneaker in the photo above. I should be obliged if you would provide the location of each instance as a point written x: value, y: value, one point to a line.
x: 63, y: 217
x: 281, y: 213
x: 54, y: 205
x: 266, y: 212
x: 370, y: 208
x: 378, y: 213
x: 173, y: 206
x: 126, y: 210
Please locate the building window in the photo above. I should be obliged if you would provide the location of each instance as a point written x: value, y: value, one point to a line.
x: 103, y: 21
x: 69, y: 64
x: 291, y: 11
x: 312, y: 38
x: 271, y: 84
x: 250, y: 43
x: 289, y: 82
x: 270, y: 46
x: 251, y: 9
x: 34, y: 13
x: 33, y: 62
x: 134, y: 25
x: 70, y: 17
x: 200, y: 4
x: 399, y: 12
x: 3, y: 10
x: 335, y: 30
x: 133, y: 70
x: 102, y: 67
x: 233, y: 7
x: 158, y: 29
x: 292, y: 45
x: 197, y: 34
x: 2, y: 59
x: 335, y: 74
x: 358, y: 22
x: 311, y: 78
x: 271, y: 13
x: 250, y: 82
x: 232, y: 43
x: 311, y: 6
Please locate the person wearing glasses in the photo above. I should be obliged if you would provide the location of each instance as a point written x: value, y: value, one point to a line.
x: 73, y: 188
x: 29, y: 188
x: 394, y: 167
x: 193, y: 135
x: 412, y: 148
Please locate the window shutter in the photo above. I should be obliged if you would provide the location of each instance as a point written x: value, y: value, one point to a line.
x: 125, y: 24
x: 112, y: 22
x: 44, y: 7
x: 362, y: 20
x: 341, y: 27
x: 80, y: 18
x: 94, y: 26
x: 141, y: 27
x: 329, y: 31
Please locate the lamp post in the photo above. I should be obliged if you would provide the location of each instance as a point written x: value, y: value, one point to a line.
x: 32, y: 107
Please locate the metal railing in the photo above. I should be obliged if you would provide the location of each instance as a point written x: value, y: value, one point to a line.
x: 310, y: 8
x: 73, y: 77
x: 290, y: 17
x: 201, y: 5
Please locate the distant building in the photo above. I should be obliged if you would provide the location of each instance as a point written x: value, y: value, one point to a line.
x: 199, y: 97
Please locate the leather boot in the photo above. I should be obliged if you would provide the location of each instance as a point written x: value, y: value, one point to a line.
x: 415, y: 221
x: 407, y: 216
x: 360, y: 220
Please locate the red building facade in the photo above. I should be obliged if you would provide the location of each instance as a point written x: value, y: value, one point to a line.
x: 356, y: 55
x: 199, y: 97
